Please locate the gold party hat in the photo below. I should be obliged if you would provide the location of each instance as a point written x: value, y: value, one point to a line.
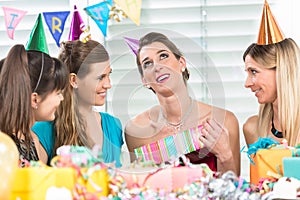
x: 269, y: 31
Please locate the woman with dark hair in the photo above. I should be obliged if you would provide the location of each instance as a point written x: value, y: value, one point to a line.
x: 31, y: 85
x: 163, y: 70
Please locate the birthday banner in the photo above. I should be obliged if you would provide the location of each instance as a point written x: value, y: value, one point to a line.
x: 132, y: 8
x: 100, y: 13
x: 12, y: 18
x: 56, y: 23
x: 171, y: 147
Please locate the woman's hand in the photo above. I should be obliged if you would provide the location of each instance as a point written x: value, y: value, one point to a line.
x: 216, y: 139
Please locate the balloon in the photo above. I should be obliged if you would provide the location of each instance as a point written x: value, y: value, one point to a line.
x: 9, y: 157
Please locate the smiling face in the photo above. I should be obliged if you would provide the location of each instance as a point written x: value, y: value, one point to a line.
x: 93, y: 86
x: 261, y: 81
x: 161, y: 69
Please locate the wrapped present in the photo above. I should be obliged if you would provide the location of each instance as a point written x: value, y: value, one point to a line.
x: 266, y: 158
x: 171, y: 147
x: 91, y: 176
x: 76, y: 169
x: 268, y: 164
x: 33, y: 183
x: 94, y: 180
x: 292, y: 164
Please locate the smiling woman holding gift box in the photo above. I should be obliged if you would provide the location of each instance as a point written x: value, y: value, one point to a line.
x: 163, y: 70
x: 273, y: 68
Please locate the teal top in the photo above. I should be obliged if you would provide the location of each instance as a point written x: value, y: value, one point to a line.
x: 45, y: 133
x: 112, y: 138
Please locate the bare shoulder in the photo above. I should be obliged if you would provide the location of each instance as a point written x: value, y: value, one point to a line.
x: 231, y: 122
x: 220, y: 114
x: 230, y: 116
x: 250, y: 129
x: 136, y: 124
x: 250, y: 124
x: 143, y: 125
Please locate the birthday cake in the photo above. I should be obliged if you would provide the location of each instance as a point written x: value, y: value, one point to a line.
x: 175, y: 175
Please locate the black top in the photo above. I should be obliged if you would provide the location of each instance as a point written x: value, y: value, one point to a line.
x: 276, y: 132
x: 24, y: 154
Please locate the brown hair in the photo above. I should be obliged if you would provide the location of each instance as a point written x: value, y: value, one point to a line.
x: 21, y: 73
x: 158, y: 37
x: 69, y: 124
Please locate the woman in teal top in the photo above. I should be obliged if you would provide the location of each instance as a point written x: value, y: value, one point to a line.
x: 76, y: 122
x: 112, y: 144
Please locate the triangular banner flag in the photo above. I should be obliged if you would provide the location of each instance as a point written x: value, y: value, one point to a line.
x: 132, y: 8
x: 12, y: 18
x: 37, y: 40
x: 56, y: 23
x: 133, y: 44
x: 100, y: 14
x: 110, y: 2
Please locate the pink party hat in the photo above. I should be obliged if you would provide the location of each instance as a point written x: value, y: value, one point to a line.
x: 77, y: 25
x: 133, y: 44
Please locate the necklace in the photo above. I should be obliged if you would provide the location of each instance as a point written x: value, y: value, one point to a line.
x: 177, y: 126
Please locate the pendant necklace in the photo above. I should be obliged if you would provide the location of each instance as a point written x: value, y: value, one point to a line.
x: 177, y: 126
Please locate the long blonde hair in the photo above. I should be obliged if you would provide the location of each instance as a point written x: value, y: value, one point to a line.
x: 284, y: 56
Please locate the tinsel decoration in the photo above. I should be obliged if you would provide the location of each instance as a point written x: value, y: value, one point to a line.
x: 117, y: 14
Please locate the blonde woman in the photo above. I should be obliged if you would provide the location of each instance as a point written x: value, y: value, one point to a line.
x: 273, y: 75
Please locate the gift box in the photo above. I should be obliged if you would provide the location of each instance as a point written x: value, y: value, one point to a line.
x: 95, y: 181
x: 267, y: 163
x: 171, y: 147
x: 291, y: 167
x: 32, y: 183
